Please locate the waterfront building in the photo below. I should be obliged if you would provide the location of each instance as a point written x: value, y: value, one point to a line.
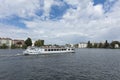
x: 9, y: 42
x: 69, y: 45
x: 116, y: 45
x: 72, y: 45
x: 18, y: 43
x: 6, y: 41
x: 82, y: 45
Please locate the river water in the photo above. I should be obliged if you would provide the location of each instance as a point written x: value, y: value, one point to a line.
x: 85, y: 64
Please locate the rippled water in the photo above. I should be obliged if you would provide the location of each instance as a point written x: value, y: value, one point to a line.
x: 85, y: 64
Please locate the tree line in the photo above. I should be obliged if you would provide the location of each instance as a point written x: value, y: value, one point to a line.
x: 106, y: 44
x: 28, y: 42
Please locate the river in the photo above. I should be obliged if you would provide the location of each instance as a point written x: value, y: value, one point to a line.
x: 85, y: 64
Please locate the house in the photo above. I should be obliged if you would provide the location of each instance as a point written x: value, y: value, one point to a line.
x: 116, y: 45
x: 82, y: 45
x: 6, y: 41
x: 18, y: 43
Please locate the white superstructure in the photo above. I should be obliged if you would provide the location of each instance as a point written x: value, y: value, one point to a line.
x: 39, y: 50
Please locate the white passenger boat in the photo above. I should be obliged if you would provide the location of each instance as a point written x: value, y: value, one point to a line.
x: 43, y: 50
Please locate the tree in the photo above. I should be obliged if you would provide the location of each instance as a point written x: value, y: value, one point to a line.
x: 39, y: 43
x: 100, y: 45
x: 76, y: 45
x: 95, y: 45
x: 119, y: 44
x: 28, y: 42
x: 106, y: 44
x: 89, y: 45
x: 56, y: 45
x: 24, y: 46
x: 4, y: 46
x: 13, y: 46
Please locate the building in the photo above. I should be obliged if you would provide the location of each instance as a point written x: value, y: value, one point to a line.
x: 6, y: 41
x: 18, y: 43
x: 9, y: 42
x: 72, y: 45
x: 82, y: 45
x: 116, y: 45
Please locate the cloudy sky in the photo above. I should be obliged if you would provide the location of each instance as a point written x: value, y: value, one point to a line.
x: 60, y: 21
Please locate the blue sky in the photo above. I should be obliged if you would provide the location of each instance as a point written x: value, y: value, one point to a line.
x: 60, y: 21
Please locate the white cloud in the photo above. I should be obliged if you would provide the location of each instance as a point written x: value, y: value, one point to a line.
x: 86, y: 22
x: 12, y: 32
x: 47, y: 6
x: 84, y: 12
x: 21, y: 8
x: 24, y: 8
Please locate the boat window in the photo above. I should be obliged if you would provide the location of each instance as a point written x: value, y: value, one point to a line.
x: 51, y: 49
x: 45, y: 49
x: 69, y: 49
x: 48, y: 49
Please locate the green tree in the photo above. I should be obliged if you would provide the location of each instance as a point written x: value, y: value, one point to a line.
x: 119, y: 44
x: 100, y: 45
x: 13, y: 46
x: 39, y: 43
x: 4, y: 46
x: 24, y: 46
x: 95, y: 45
x: 106, y: 44
x: 56, y: 45
x: 28, y: 42
x: 76, y: 46
x: 89, y: 45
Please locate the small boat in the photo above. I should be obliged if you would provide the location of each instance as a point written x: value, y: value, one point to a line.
x: 48, y: 50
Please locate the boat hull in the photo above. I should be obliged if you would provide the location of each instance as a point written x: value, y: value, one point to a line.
x: 53, y: 52
x: 34, y: 50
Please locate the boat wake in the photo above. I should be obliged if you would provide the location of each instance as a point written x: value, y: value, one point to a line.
x: 8, y: 55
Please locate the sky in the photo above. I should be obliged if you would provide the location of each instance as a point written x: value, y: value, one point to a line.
x: 60, y: 21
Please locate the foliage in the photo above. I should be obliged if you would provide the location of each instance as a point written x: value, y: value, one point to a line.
x: 95, y: 45
x: 4, y: 46
x: 28, y: 42
x: 106, y: 44
x: 100, y: 45
x: 56, y: 45
x: 13, y: 46
x: 39, y: 43
x: 113, y: 44
x: 24, y: 46
x: 76, y: 45
x: 89, y: 45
